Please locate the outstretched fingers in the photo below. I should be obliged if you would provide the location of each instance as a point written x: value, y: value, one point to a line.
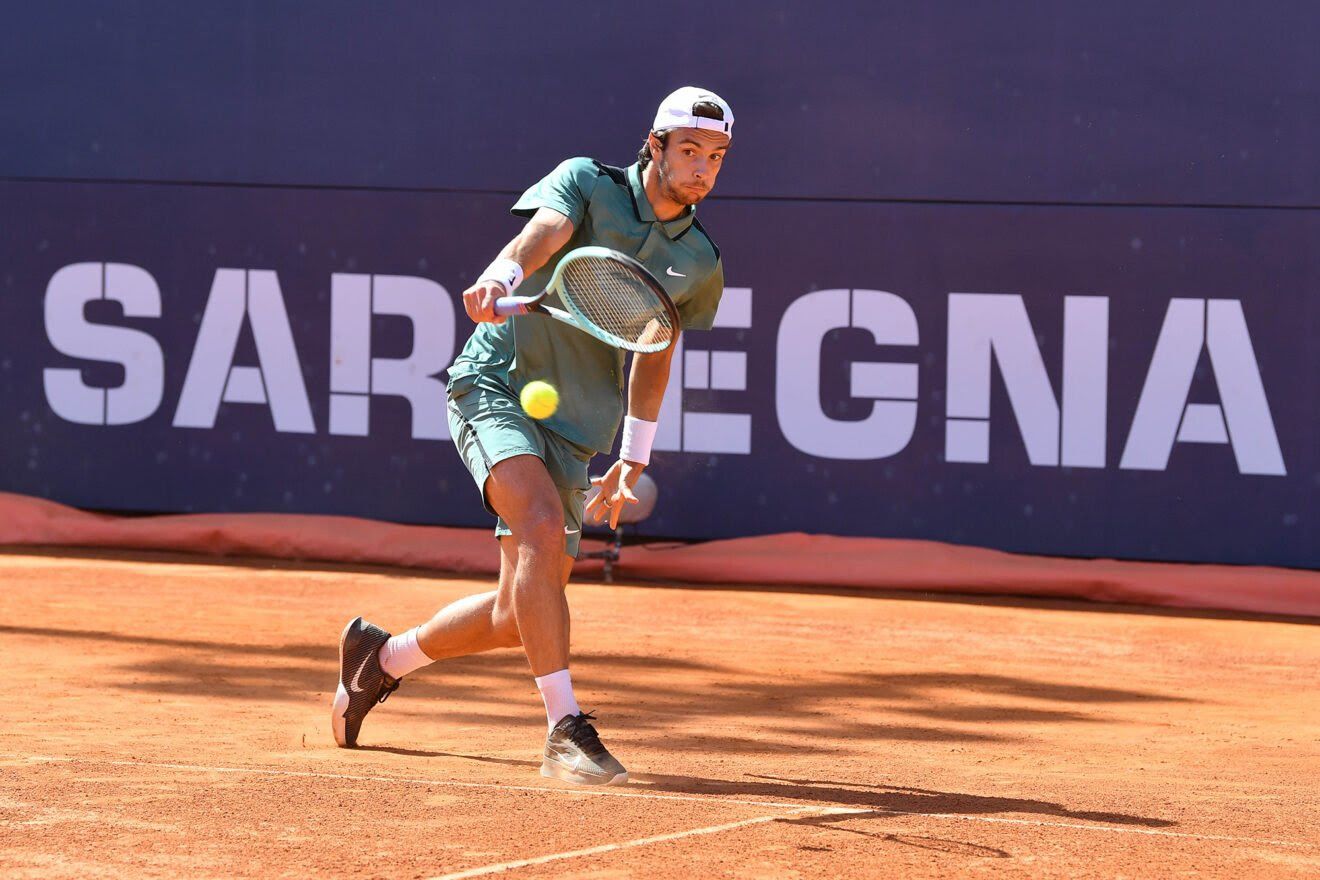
x: 597, y: 508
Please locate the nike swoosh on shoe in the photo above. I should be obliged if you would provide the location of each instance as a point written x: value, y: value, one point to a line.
x: 353, y: 685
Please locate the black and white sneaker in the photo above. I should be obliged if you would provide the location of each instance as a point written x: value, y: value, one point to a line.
x: 573, y: 753
x: 362, y: 683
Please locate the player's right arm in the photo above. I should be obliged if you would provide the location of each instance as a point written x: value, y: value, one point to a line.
x: 544, y: 234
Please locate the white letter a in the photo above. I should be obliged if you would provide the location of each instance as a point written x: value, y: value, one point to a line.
x: 1241, y: 419
x: 212, y: 377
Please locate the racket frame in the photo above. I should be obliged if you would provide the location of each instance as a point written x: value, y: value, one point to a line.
x: 522, y: 305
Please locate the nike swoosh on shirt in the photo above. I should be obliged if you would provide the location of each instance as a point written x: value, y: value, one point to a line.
x: 670, y: 271
x: 568, y: 531
x: 353, y: 685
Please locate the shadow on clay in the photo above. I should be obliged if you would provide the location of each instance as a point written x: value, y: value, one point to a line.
x: 884, y: 800
x: 724, y: 709
x: 919, y: 841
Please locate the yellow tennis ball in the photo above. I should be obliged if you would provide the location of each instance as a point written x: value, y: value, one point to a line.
x: 539, y: 399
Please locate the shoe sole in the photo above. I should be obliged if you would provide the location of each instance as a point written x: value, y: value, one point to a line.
x: 340, y: 705
x: 555, y: 770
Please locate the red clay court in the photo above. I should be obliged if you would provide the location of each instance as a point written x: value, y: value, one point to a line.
x: 981, y: 534
x: 168, y: 717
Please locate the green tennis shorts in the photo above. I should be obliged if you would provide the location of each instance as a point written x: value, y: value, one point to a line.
x: 488, y: 425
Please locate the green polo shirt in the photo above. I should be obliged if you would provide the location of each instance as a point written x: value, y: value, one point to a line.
x: 608, y: 207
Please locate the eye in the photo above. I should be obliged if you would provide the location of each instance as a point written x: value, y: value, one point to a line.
x: 718, y: 157
x: 689, y: 153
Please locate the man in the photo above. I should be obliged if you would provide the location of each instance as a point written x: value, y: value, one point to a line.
x: 533, y: 475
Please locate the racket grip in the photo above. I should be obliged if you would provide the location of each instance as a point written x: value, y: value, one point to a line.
x: 513, y: 305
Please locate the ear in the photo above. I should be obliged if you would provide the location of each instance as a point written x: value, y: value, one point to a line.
x: 657, y: 148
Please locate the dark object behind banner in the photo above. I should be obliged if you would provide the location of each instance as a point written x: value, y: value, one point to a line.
x: 940, y: 323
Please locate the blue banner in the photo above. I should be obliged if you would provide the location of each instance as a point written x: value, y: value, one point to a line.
x: 1080, y: 381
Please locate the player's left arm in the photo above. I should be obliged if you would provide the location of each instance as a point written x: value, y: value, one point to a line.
x: 647, y: 381
x: 646, y: 391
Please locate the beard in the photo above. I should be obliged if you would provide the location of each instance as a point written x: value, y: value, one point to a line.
x: 675, y: 191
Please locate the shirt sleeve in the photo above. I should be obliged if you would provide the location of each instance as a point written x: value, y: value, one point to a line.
x: 567, y: 189
x: 698, y: 307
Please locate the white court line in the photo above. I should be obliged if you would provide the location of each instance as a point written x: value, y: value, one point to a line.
x: 604, y: 848
x: 796, y: 808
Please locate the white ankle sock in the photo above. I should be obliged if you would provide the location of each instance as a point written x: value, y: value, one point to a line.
x: 557, y: 692
x: 402, y: 655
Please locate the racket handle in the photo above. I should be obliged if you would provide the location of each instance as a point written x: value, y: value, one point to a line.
x: 514, y: 305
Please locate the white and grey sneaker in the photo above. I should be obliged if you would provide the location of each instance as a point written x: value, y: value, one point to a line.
x: 573, y: 753
x: 362, y: 682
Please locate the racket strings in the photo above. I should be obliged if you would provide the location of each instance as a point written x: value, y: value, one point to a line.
x: 613, y: 298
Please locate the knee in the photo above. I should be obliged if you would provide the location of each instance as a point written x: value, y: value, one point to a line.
x: 542, y: 528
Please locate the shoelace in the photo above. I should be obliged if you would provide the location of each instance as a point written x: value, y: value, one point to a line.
x: 582, y: 733
x: 388, y: 689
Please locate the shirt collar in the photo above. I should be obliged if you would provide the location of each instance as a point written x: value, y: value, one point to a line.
x: 642, y: 205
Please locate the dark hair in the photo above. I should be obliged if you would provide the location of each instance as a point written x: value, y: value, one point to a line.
x: 644, y: 154
x: 708, y: 109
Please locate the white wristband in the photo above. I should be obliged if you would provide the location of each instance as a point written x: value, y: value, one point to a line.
x: 638, y: 435
x: 506, y: 272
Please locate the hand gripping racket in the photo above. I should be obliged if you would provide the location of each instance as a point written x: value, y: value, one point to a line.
x: 609, y: 295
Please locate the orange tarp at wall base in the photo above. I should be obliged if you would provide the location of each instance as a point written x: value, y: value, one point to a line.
x: 795, y: 559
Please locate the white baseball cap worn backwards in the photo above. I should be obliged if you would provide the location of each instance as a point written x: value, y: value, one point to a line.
x: 676, y: 111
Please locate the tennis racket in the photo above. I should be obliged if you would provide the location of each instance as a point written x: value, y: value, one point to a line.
x: 609, y: 295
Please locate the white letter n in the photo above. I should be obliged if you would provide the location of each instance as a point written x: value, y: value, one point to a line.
x: 982, y: 325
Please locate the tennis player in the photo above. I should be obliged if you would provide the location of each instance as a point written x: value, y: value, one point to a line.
x: 533, y: 475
